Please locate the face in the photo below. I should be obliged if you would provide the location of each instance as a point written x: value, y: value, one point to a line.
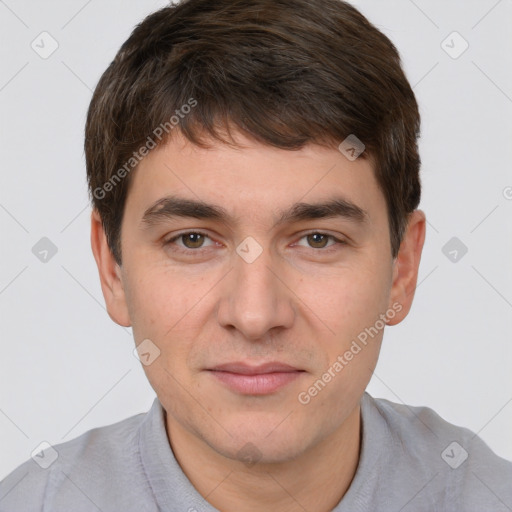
x: 264, y: 304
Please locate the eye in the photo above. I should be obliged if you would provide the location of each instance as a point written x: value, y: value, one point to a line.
x: 318, y: 240
x: 194, y: 241
x: 190, y: 240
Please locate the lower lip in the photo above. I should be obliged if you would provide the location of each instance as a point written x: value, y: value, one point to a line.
x: 261, y: 384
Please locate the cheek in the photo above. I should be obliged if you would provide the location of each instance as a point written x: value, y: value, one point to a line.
x: 158, y: 295
x: 169, y: 309
x: 348, y: 301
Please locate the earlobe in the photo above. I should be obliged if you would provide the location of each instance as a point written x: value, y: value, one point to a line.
x: 406, y: 265
x: 109, y: 272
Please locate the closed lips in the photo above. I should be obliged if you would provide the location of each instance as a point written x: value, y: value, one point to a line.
x: 244, y: 369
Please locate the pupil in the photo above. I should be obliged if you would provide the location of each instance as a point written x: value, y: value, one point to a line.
x: 317, y: 238
x: 194, y: 239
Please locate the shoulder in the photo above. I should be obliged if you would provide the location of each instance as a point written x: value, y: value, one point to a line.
x: 454, y: 462
x: 92, y: 460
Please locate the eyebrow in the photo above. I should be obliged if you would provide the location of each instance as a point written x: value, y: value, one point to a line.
x: 170, y: 207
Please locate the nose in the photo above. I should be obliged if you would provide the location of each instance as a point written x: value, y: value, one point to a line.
x: 256, y: 298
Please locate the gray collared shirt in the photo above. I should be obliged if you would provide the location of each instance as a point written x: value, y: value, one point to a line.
x: 411, y: 460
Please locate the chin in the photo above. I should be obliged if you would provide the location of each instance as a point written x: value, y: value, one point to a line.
x: 270, y: 445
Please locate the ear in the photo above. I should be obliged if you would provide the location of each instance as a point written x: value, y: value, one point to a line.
x: 405, y: 266
x: 110, y: 273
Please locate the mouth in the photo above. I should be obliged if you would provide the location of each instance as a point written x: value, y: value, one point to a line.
x: 262, y: 379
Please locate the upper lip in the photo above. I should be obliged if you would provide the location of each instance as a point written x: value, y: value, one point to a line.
x: 246, y: 369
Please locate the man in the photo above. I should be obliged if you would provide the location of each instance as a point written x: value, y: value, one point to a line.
x: 254, y: 173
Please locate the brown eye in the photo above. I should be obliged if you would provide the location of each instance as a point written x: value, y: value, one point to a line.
x: 190, y: 243
x: 192, y: 240
x: 318, y: 240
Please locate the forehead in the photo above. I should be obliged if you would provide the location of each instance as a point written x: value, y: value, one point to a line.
x: 252, y: 178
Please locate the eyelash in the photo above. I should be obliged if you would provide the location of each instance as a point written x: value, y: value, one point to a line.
x: 199, y: 250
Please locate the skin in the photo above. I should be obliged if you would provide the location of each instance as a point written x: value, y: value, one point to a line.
x: 294, y: 304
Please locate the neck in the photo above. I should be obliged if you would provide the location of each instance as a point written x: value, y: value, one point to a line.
x: 315, y: 480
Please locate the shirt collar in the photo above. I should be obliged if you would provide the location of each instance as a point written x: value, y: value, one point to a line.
x: 172, y: 489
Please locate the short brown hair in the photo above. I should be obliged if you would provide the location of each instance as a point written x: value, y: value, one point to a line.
x: 284, y: 72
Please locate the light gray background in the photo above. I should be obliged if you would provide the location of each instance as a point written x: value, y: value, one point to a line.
x: 65, y: 367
